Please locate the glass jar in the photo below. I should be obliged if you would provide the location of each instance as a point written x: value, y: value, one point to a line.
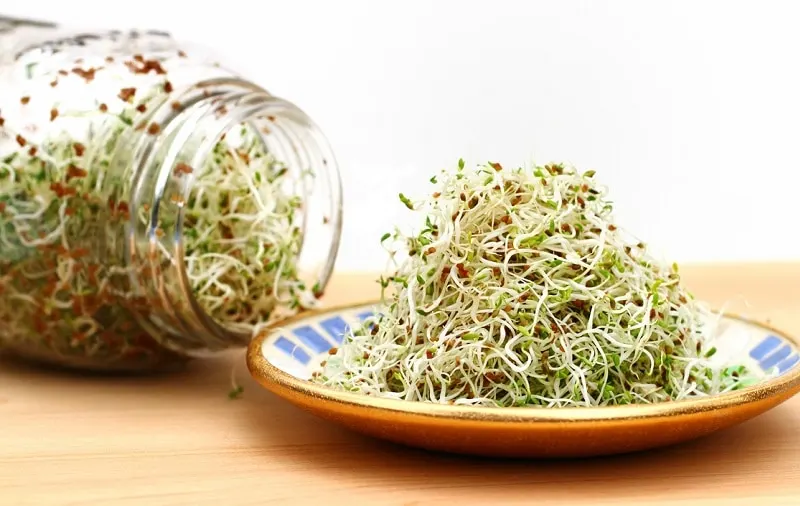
x: 154, y: 205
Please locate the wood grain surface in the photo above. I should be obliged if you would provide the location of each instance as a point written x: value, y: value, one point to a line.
x: 177, y: 439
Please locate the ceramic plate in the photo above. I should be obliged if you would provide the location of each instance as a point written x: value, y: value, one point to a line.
x: 283, y: 360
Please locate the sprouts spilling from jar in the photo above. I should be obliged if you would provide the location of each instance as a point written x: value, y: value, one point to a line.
x: 520, y: 290
x: 69, y: 288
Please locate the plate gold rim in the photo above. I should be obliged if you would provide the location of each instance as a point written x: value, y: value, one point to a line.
x: 280, y: 382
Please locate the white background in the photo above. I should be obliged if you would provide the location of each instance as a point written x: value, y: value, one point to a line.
x: 688, y: 110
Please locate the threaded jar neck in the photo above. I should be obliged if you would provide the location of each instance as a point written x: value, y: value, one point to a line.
x: 235, y: 214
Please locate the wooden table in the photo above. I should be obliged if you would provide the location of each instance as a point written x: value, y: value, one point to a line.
x: 178, y: 439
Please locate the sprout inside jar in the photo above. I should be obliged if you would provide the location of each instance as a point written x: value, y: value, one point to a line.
x: 153, y: 205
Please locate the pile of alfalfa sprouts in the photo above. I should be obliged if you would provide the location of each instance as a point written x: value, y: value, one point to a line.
x: 520, y: 290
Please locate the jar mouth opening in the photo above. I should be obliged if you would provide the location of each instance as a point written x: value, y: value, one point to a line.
x: 245, y: 213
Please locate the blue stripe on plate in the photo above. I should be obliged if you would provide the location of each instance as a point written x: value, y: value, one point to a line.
x: 365, y: 315
x: 788, y: 363
x: 312, y: 339
x: 767, y: 345
x: 336, y: 327
x: 776, y: 357
x: 292, y: 350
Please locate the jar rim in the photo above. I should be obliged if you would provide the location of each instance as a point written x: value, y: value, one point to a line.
x: 211, y: 109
